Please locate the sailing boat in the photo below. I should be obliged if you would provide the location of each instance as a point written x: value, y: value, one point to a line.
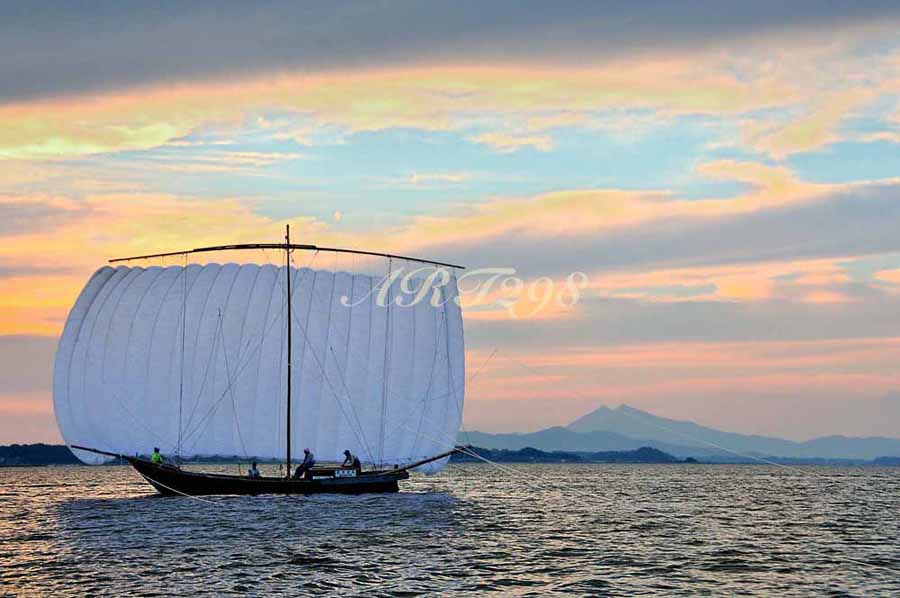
x: 217, y: 360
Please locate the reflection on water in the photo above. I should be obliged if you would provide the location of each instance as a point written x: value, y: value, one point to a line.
x: 609, y: 529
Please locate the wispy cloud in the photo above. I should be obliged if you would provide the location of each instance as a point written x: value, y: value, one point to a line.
x: 425, y: 178
x: 510, y: 142
x: 214, y: 161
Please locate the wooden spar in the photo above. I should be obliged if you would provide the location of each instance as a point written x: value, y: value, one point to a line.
x: 389, y: 255
x: 287, y: 263
x: 215, y: 248
x: 286, y: 247
x: 430, y: 459
x: 99, y: 452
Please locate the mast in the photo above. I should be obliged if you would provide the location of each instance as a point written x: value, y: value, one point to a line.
x: 181, y: 373
x: 287, y: 270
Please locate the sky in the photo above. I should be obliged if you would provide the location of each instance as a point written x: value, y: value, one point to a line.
x: 725, y: 176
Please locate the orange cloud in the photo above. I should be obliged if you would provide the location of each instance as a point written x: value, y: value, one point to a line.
x: 587, y: 211
x: 740, y: 282
x: 825, y: 297
x: 770, y: 185
x: 889, y: 276
x: 815, y: 129
x: 37, y: 304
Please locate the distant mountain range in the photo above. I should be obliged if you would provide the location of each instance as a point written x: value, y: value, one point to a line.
x: 627, y: 428
x: 612, y: 430
x: 532, y: 455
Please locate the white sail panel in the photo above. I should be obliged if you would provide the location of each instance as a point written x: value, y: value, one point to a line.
x: 193, y: 360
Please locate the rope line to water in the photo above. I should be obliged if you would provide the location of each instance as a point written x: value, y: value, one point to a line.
x: 469, y: 381
x: 183, y: 493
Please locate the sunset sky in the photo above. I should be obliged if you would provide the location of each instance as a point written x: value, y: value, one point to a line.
x: 727, y: 175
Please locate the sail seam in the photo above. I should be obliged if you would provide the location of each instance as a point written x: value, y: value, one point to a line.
x: 129, y: 276
x: 261, y: 354
x: 152, y: 334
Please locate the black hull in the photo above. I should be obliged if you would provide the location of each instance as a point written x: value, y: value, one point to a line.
x: 172, y: 481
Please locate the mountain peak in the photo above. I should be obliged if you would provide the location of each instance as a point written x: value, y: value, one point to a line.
x: 647, y: 427
x: 605, y: 417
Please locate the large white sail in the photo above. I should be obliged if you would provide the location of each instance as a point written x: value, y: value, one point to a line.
x: 193, y: 360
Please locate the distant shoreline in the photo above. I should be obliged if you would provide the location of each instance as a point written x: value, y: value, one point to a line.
x: 50, y: 455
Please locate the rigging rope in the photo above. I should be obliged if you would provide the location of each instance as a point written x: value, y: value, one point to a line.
x: 353, y: 410
x: 241, y: 369
x: 470, y: 381
x: 306, y: 342
x: 237, y: 420
x: 434, y: 357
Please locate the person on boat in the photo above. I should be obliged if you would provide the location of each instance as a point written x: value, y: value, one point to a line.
x: 253, y: 472
x: 308, y: 462
x: 352, y: 460
x: 156, y: 457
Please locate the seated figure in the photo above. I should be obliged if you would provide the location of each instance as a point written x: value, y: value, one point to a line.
x: 352, y: 460
x: 308, y: 462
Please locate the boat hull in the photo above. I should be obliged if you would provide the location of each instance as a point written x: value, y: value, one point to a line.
x: 172, y: 481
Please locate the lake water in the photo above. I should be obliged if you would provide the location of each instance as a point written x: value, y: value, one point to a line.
x: 541, y: 529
